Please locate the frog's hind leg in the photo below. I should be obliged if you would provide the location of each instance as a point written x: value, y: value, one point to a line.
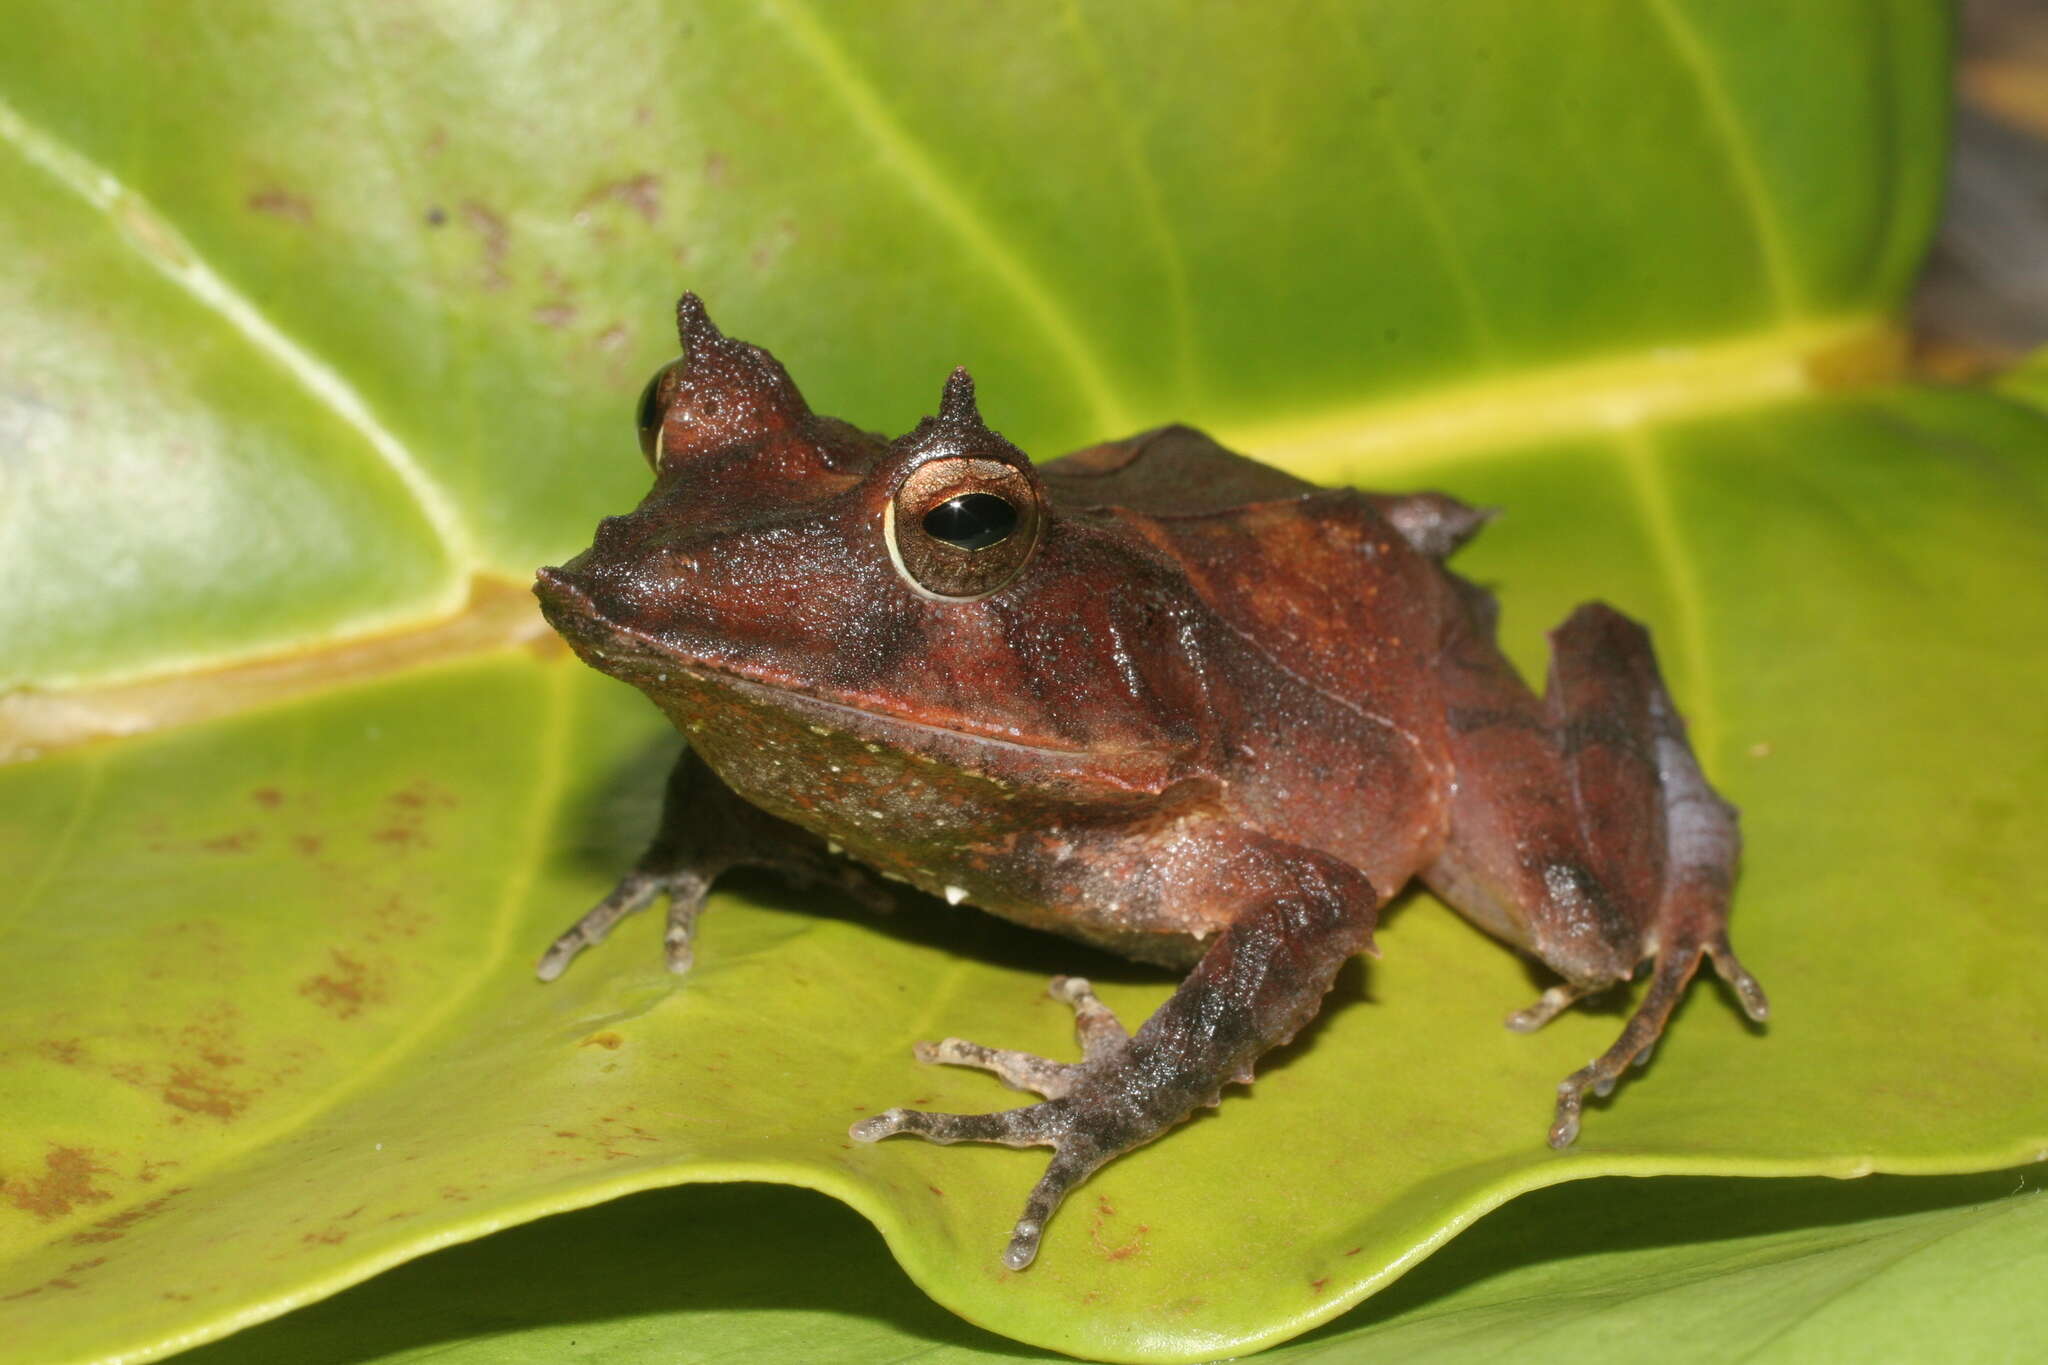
x: 705, y: 831
x: 1585, y: 832
x: 1611, y: 708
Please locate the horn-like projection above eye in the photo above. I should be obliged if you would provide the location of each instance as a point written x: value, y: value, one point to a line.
x: 961, y: 528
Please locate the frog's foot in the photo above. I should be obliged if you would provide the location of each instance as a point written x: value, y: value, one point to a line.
x: 1302, y: 915
x: 1071, y: 1121
x: 638, y: 889
x: 705, y: 831
x: 1674, y: 969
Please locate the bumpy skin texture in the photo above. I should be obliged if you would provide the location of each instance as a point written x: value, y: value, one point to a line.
x: 1182, y: 706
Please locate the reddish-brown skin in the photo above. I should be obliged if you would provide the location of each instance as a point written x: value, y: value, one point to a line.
x: 1208, y: 716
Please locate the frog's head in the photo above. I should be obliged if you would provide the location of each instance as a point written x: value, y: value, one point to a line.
x: 926, y: 578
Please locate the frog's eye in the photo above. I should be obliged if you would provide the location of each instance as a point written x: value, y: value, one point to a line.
x: 961, y: 528
x: 653, y: 408
x: 972, y: 521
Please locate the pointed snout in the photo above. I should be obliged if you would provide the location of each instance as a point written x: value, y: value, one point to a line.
x: 560, y: 594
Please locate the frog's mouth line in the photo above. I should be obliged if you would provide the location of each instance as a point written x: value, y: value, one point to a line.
x: 634, y: 657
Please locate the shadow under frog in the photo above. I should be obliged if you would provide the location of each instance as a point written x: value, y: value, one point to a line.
x: 1153, y: 696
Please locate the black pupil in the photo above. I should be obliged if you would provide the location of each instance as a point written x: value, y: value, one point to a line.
x: 972, y: 521
x: 650, y: 411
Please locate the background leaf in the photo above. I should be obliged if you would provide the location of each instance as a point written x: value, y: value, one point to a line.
x: 1822, y: 1270
x: 333, y: 322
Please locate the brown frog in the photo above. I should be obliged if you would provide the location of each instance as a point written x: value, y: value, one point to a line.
x: 1152, y: 695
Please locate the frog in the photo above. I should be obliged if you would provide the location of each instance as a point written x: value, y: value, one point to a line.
x: 1152, y: 695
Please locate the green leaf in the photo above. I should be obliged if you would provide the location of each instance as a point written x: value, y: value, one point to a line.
x: 428, y: 253
x: 332, y: 327
x: 1812, y: 1270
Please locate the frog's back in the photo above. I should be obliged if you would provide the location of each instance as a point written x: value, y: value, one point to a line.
x: 1179, y: 471
x: 1330, y: 606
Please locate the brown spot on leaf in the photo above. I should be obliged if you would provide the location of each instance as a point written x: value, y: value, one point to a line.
x: 642, y: 194
x: 347, y: 990
x: 717, y: 170
x: 114, y: 1228
x: 394, y: 918
x: 1103, y: 1213
x: 1317, y: 1285
x: 607, y: 1040
x: 60, y: 1281
x: 493, y: 236
x: 421, y: 793
x: 1354, y: 1251
x: 328, y: 1236
x: 771, y: 249
x: 308, y: 845
x: 238, y: 842
x: 282, y: 203
x: 66, y: 1182
x: 557, y: 314
x: 196, y: 1092
x: 62, y: 1051
x: 270, y: 798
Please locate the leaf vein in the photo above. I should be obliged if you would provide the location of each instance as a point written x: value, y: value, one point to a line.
x: 1646, y: 481
x: 158, y: 242
x: 1738, y: 148
x: 1408, y: 170
x: 1158, y: 223
x: 900, y: 151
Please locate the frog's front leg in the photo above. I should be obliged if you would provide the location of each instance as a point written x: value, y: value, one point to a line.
x: 705, y: 831
x: 1256, y: 986
x: 1584, y: 831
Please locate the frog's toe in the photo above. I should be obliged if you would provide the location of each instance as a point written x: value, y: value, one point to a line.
x: 1730, y: 969
x: 636, y: 891
x: 1018, y: 1070
x: 1068, y: 1121
x: 1025, y: 1127
x: 1548, y: 1006
x: 1071, y: 1164
x: 1055, y: 1124
x: 1096, y: 1026
x: 1674, y: 969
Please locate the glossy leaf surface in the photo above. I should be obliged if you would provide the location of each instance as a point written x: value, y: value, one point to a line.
x: 335, y: 321
x: 1790, y: 1271
x: 376, y: 288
